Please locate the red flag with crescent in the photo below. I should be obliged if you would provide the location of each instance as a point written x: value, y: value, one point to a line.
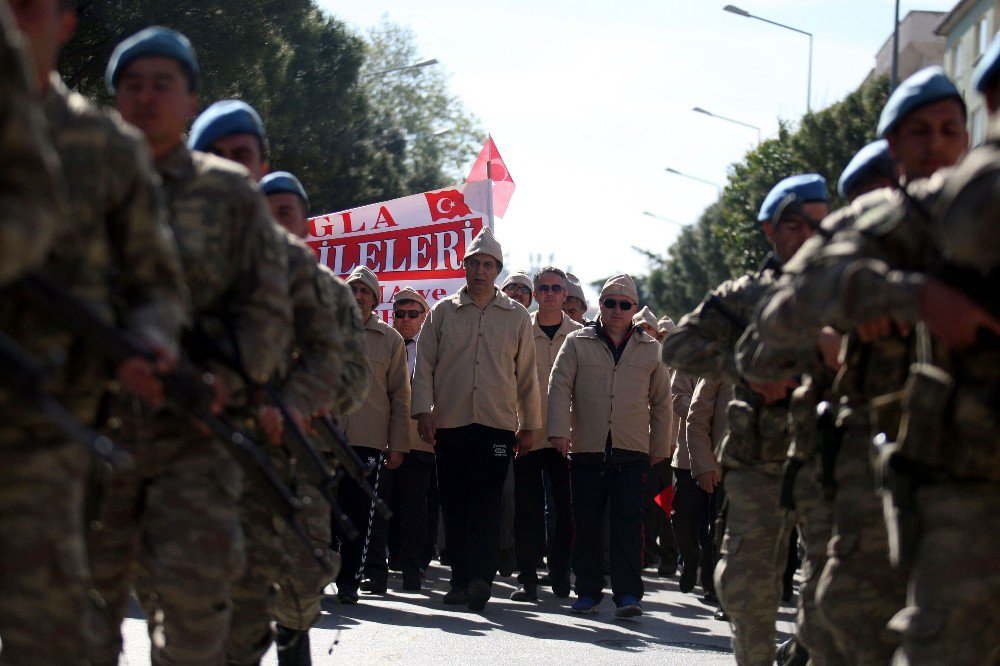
x: 446, y: 205
x: 503, y: 184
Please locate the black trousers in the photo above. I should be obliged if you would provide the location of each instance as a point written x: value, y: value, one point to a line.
x: 408, y: 528
x: 529, y: 515
x: 659, y: 535
x: 692, y: 516
x: 472, y: 465
x: 370, y: 547
x: 619, y: 487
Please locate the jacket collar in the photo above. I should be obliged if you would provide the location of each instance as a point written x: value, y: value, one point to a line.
x: 176, y: 165
x: 500, y: 299
x: 376, y: 324
x: 565, y: 326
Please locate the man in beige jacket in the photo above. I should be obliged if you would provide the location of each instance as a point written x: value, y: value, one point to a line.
x: 475, y: 398
x: 550, y: 326
x: 610, y: 396
x: 380, y: 434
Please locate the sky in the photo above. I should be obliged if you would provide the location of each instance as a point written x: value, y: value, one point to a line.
x: 589, y: 101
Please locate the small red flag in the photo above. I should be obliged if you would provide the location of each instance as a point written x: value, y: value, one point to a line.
x: 666, y: 500
x: 503, y: 184
x: 447, y: 204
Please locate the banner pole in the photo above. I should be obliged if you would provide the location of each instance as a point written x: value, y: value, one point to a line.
x: 489, y: 186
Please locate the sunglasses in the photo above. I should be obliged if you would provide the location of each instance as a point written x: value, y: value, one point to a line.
x: 403, y: 314
x: 518, y: 289
x: 611, y: 304
x: 546, y: 288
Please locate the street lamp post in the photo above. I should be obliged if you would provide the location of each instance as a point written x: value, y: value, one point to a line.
x: 687, y: 175
x: 698, y: 109
x: 417, y: 65
x: 663, y: 219
x: 744, y: 13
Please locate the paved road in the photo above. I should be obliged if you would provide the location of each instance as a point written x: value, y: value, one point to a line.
x: 416, y: 628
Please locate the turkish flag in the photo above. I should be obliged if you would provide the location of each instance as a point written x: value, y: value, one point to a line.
x: 446, y: 205
x: 666, y: 500
x: 503, y: 184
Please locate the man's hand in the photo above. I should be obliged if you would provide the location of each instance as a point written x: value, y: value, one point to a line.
x: 707, y: 481
x: 139, y: 375
x: 426, y: 428
x: 523, y: 441
x: 828, y: 345
x: 394, y: 459
x: 271, y: 423
x: 952, y: 317
x: 774, y: 391
x: 560, y: 444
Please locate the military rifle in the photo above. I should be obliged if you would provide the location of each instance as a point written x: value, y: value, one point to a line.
x: 25, y: 376
x: 186, y: 389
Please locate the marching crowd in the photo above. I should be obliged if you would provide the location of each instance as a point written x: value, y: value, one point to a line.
x: 843, y: 397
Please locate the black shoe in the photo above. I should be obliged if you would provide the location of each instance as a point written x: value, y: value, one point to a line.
x: 710, y: 599
x: 347, y: 598
x: 506, y: 567
x: 721, y: 616
x: 456, y: 597
x: 479, y: 594
x: 666, y: 571
x: 372, y: 587
x: 545, y: 580
x: 525, y: 593
x: 394, y: 564
x: 790, y: 653
x: 411, y: 583
x: 292, y: 647
x: 689, y: 575
x: 561, y: 588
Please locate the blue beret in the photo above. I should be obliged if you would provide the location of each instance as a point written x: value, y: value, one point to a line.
x: 282, y: 181
x: 224, y: 118
x: 871, y: 161
x: 153, y: 41
x: 988, y: 68
x: 802, y: 188
x: 927, y: 86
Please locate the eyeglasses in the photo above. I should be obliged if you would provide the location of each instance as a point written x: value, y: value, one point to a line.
x: 546, y: 288
x: 518, y: 289
x: 611, y: 304
x: 403, y: 314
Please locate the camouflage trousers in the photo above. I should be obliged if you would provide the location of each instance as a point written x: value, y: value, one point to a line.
x: 814, y: 517
x: 175, y: 515
x: 282, y: 581
x: 45, y: 614
x: 954, y: 593
x: 752, y: 559
x: 859, y: 591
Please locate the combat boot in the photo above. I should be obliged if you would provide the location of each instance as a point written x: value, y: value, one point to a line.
x: 293, y: 647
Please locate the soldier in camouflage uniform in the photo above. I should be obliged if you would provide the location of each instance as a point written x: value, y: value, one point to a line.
x: 177, y: 511
x: 297, y: 606
x: 843, y: 279
x: 749, y: 572
x: 327, y: 344
x: 944, y: 472
x: 30, y: 185
x: 870, y: 169
x: 114, y: 252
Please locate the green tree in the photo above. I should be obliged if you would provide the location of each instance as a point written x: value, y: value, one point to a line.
x: 297, y: 66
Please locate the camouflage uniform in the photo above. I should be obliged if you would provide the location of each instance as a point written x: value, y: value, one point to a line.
x: 113, y: 251
x: 327, y: 344
x: 748, y: 574
x: 177, y: 510
x: 857, y: 270
x: 952, y: 441
x: 30, y: 185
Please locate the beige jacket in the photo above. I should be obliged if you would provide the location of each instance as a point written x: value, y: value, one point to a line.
x: 477, y: 366
x: 382, y: 421
x: 681, y: 389
x: 707, y: 424
x: 590, y: 396
x: 545, y: 357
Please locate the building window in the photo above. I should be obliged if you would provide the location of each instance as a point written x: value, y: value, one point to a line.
x: 978, y: 126
x: 983, y: 41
